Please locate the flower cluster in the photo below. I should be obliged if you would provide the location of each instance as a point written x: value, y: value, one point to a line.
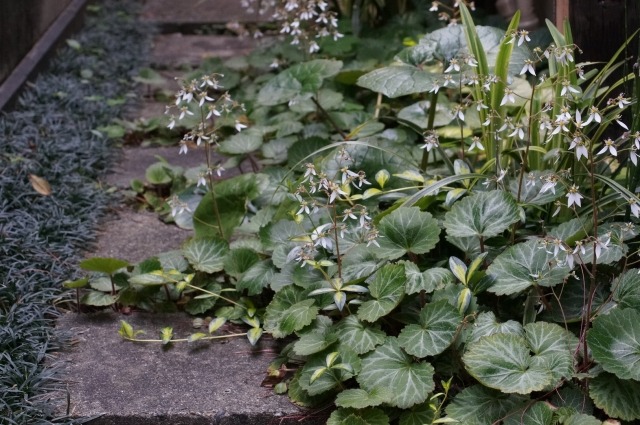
x: 304, y: 20
x: 319, y: 194
x: 448, y: 11
x: 196, y: 99
x: 203, y: 101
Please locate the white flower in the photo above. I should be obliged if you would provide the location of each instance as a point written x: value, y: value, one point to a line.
x: 594, y: 115
x: 204, y: 98
x: 313, y: 47
x: 434, y: 6
x: 348, y: 175
x: 184, y: 111
x: 602, y: 243
x: 448, y: 80
x: 471, y: 61
x: 549, y: 184
x: 581, y: 149
x: 609, y: 145
x: 183, y: 148
x: 636, y: 139
x: 336, y: 191
x: 476, y: 144
x: 172, y: 122
x: 430, y: 141
x: 453, y: 66
x: 622, y: 101
x: 202, y: 181
x: 458, y: 112
x: 635, y: 208
x: 239, y: 126
x: 320, y: 238
x: 568, y: 88
x: 304, y: 208
x: 517, y: 131
x: 523, y: 36
x: 573, y: 197
x: 528, y: 67
x: 508, y: 96
x: 212, y: 111
x: 620, y: 123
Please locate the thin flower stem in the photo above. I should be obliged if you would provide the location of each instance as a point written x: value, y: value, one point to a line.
x: 376, y: 114
x: 208, y: 153
x: 329, y: 119
x: 186, y: 339
x: 525, y: 159
x: 215, y: 295
x: 335, y: 236
x: 594, y: 267
x: 430, y: 120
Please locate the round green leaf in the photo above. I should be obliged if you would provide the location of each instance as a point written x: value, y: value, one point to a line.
x: 103, y: 265
x: 418, y: 114
x: 159, y: 173
x: 486, y: 324
x: 522, y: 364
x: 206, y: 254
x: 399, y: 80
x: 427, y: 281
x: 390, y: 367
x: 289, y: 311
x: 74, y: 284
x: 626, y: 290
x: 305, y: 77
x: 387, y: 290
x: 241, y: 143
x: 316, y: 339
x: 436, y: 329
x: 481, y: 405
x: 256, y: 278
x: 407, y: 230
x: 239, y: 260
x: 358, y: 417
x: 537, y: 414
x: 418, y: 415
x: 360, y: 337
x: 483, y: 214
x: 332, y: 377
x: 524, y: 265
x: 617, y: 397
x: 359, y: 398
x: 97, y: 298
x: 615, y: 342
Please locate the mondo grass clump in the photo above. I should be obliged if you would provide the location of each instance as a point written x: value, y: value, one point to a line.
x: 51, y: 158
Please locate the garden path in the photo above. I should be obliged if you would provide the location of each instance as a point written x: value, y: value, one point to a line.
x: 122, y: 383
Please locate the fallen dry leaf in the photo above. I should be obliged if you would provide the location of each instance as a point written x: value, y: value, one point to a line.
x: 40, y: 185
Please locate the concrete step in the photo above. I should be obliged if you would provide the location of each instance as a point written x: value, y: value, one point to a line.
x: 177, y: 50
x: 163, y: 12
x: 125, y: 383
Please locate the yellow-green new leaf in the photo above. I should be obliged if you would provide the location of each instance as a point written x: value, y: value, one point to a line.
x: 166, y: 334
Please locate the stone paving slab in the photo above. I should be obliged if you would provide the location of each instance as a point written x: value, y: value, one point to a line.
x: 126, y: 383
x: 198, y: 11
x: 135, y: 160
x: 177, y: 50
x: 137, y: 235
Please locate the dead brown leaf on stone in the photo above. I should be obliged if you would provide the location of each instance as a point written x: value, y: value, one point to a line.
x: 40, y: 185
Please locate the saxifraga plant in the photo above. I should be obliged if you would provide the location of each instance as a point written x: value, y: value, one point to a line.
x: 464, y: 253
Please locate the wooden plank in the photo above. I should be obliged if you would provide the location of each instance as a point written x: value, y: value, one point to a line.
x: 600, y: 27
x: 41, y: 50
